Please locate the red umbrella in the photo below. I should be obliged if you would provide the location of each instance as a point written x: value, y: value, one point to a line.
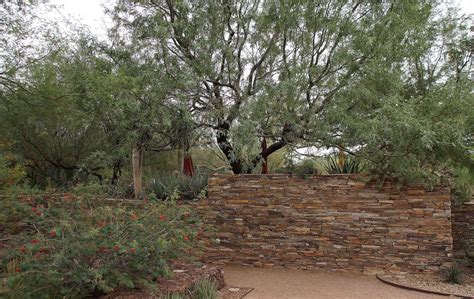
x: 188, y: 167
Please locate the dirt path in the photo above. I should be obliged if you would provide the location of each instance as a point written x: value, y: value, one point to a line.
x: 284, y: 283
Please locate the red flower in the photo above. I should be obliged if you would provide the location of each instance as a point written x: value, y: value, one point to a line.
x: 43, y: 249
x: 162, y: 217
x: 18, y: 270
x: 22, y: 249
x: 134, y: 217
x: 186, y: 238
x: 132, y: 250
x: 36, y: 211
x: 103, y: 249
x: 116, y: 248
x: 52, y: 233
x: 35, y: 241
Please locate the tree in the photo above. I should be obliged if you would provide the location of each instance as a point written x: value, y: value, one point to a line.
x: 279, y: 70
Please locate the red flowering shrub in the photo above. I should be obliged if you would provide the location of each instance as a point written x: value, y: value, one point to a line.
x: 80, y: 248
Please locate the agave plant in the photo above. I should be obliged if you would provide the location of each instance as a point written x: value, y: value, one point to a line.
x: 187, y: 187
x: 348, y: 164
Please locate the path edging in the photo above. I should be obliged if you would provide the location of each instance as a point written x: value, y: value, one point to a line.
x: 402, y: 286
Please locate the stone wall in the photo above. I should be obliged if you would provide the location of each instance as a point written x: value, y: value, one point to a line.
x: 463, y: 229
x: 334, y: 221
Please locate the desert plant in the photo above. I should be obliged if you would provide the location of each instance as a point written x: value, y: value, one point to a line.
x: 187, y: 187
x: 454, y: 275
x: 349, y: 164
x: 305, y: 169
x: 204, y: 289
x: 77, y: 247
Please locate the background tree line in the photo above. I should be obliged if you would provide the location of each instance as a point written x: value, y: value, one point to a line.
x: 389, y: 83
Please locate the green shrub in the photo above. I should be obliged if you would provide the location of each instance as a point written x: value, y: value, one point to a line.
x: 205, y: 289
x: 11, y: 172
x: 349, y: 165
x: 302, y: 170
x: 463, y: 183
x: 186, y: 187
x: 454, y: 275
x: 77, y: 247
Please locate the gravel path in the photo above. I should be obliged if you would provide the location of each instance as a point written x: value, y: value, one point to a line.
x: 285, y: 283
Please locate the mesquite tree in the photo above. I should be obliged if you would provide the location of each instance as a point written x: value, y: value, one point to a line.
x: 282, y: 70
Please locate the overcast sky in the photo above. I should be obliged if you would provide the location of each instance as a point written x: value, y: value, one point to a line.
x: 91, y: 12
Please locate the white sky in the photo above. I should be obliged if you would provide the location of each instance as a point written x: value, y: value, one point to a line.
x: 91, y: 12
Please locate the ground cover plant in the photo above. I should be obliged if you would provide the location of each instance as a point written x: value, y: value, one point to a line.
x: 77, y: 247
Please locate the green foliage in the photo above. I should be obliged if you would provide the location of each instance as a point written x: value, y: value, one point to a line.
x: 75, y: 247
x: 303, y: 170
x: 389, y: 79
x: 204, y: 289
x: 463, y: 184
x: 11, y: 171
x: 349, y: 164
x: 187, y: 187
x: 454, y: 275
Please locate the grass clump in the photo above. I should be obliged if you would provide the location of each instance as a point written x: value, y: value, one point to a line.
x: 454, y: 275
x: 204, y: 289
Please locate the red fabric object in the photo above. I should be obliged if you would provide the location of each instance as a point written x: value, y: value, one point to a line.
x: 265, y: 160
x: 188, y: 167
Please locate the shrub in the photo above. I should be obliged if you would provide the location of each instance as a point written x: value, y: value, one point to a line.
x: 348, y: 165
x: 186, y: 187
x: 77, y: 247
x: 11, y: 172
x: 302, y: 170
x: 463, y: 183
x: 454, y: 275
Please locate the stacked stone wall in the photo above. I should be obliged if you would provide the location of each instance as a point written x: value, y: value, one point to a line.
x: 463, y: 229
x: 337, y: 222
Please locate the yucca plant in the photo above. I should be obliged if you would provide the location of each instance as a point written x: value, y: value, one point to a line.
x: 338, y: 163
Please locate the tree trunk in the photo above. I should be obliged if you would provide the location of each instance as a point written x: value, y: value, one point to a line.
x: 265, y: 159
x: 137, y: 157
x: 179, y: 163
x: 116, y: 172
x: 227, y: 149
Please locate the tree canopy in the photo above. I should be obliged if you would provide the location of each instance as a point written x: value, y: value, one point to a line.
x: 387, y: 82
